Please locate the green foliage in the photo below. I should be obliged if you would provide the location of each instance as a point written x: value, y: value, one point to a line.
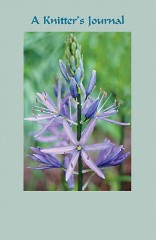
x: 115, y: 181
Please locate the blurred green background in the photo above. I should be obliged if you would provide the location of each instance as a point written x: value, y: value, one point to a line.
x: 109, y: 53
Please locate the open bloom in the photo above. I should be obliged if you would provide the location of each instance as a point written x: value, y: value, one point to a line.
x: 98, y: 110
x: 79, y: 149
x: 111, y: 156
x: 50, y: 113
x: 49, y: 161
x: 46, y: 161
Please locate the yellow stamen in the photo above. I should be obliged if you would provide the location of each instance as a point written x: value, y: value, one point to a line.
x: 78, y: 148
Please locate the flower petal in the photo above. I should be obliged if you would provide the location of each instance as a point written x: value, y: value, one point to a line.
x: 47, y: 101
x: 44, y: 158
x: 107, y: 114
x: 73, y: 88
x: 87, y: 131
x: 91, y: 83
x: 36, y: 150
x: 72, y: 164
x: 45, y: 138
x: 113, y: 121
x: 52, y: 160
x: 39, y: 117
x: 50, y: 101
x: 111, y: 156
x: 59, y: 95
x: 91, y: 164
x: 65, y: 111
x: 41, y: 158
x: 70, y: 181
x: 69, y: 132
x: 104, y: 155
x: 96, y: 147
x: 86, y: 105
x: 63, y: 70
x: 44, y: 128
x: 41, y: 168
x: 92, y: 109
x: 59, y: 150
x: 65, y: 99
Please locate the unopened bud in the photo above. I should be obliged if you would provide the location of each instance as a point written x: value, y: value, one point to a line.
x: 73, y: 88
x: 91, y: 83
x: 78, y: 75
x: 72, y: 63
x: 92, y: 109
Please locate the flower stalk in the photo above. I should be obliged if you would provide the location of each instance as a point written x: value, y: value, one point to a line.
x: 79, y: 130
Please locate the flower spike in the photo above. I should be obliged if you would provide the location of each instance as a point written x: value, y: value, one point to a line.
x: 57, y: 119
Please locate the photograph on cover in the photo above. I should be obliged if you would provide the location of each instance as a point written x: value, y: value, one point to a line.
x: 77, y: 111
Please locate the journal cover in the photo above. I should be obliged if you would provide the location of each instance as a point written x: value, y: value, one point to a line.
x: 77, y: 119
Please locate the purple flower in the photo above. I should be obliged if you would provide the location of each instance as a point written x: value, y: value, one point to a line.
x: 46, y: 161
x: 100, y: 112
x: 111, y: 156
x: 79, y: 148
x: 50, y: 112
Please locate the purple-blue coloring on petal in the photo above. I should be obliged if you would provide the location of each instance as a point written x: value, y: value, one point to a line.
x: 59, y: 150
x: 69, y: 132
x: 111, y: 156
x: 70, y: 181
x: 113, y: 121
x: 92, y: 109
x: 63, y: 70
x: 91, y: 164
x: 73, y: 88
x: 87, y: 131
x: 91, y: 83
x: 72, y: 164
x: 48, y: 160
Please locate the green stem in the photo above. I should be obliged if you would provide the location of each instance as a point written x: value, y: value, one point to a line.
x: 79, y: 129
